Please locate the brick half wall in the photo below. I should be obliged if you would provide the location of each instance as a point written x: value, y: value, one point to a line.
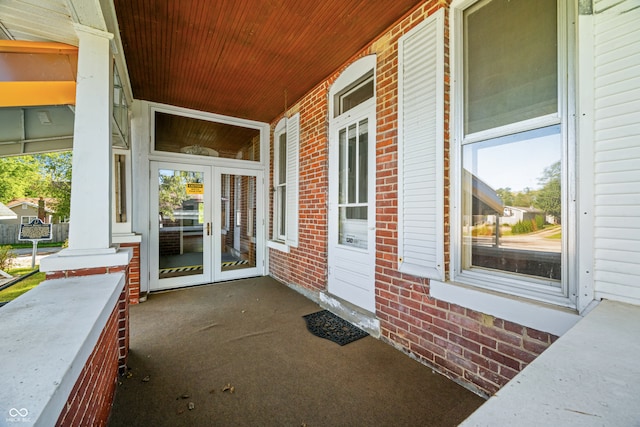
x: 90, y: 401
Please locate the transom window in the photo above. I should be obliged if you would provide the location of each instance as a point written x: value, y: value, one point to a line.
x: 512, y: 133
x: 354, y: 95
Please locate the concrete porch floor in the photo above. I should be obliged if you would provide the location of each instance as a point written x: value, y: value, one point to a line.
x: 188, y: 345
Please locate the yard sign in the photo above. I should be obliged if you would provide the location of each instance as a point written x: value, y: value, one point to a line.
x: 35, y: 231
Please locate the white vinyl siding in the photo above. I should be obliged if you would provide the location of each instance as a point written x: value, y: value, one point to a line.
x: 293, y: 171
x: 617, y: 150
x: 420, y: 146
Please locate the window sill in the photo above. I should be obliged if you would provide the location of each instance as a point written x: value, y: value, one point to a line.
x: 278, y: 245
x: 539, y: 316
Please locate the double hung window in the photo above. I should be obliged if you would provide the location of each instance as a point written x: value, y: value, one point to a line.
x: 285, y: 180
x: 512, y: 136
x: 280, y: 185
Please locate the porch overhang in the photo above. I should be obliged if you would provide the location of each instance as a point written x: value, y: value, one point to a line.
x: 37, y: 73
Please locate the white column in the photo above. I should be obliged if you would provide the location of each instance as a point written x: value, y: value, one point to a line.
x: 90, y: 228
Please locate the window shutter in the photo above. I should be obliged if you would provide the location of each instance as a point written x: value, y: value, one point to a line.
x: 293, y: 162
x: 421, y: 149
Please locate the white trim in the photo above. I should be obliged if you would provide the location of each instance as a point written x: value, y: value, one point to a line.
x: 75, y: 261
x: 585, y: 158
x: 352, y: 73
x: 263, y: 128
x: 280, y: 129
x: 538, y: 316
x: 277, y: 245
x: 292, y: 203
x: 122, y: 227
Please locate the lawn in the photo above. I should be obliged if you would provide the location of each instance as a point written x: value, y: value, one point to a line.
x: 22, y: 286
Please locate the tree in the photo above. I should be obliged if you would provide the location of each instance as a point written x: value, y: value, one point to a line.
x: 55, y: 169
x: 549, y: 197
x: 173, y: 191
x: 505, y: 195
x: 524, y: 198
x: 20, y: 178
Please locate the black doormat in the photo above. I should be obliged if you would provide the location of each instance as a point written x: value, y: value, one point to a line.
x: 325, y: 324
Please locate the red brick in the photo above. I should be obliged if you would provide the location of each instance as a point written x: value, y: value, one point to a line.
x: 501, y: 358
x: 516, y: 353
x: 538, y: 335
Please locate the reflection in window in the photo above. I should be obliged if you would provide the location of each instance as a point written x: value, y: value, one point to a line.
x: 181, y: 221
x: 187, y: 135
x: 120, y: 127
x: 512, y: 204
x: 238, y: 246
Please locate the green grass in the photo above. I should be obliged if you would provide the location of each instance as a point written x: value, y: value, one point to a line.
x: 40, y: 245
x: 555, y: 236
x: 22, y: 286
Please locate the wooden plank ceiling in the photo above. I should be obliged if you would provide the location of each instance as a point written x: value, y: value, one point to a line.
x: 244, y: 58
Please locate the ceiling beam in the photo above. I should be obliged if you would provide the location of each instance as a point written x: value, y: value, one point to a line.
x: 37, y: 73
x: 29, y: 94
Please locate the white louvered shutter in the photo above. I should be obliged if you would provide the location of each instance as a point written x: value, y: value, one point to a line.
x: 293, y: 178
x: 421, y: 149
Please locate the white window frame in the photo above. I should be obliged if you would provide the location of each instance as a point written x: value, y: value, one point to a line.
x: 496, y: 281
x: 279, y: 132
x: 122, y: 227
x: 29, y: 219
x: 290, y: 127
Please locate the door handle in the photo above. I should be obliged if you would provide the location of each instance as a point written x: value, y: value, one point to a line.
x: 208, y: 229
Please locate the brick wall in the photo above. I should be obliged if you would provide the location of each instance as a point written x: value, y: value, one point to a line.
x: 91, y: 398
x: 473, y: 348
x: 134, y: 272
x: 306, y: 265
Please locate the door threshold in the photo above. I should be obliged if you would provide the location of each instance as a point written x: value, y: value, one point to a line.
x: 365, y: 320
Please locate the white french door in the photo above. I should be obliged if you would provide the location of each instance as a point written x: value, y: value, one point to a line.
x: 206, y: 225
x: 351, y: 250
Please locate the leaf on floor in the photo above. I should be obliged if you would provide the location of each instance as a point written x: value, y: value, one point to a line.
x: 228, y: 388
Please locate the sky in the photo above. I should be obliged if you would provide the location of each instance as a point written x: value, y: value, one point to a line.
x: 515, y: 161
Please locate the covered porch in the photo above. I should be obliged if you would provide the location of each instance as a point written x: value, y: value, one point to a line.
x: 366, y: 96
x: 187, y: 346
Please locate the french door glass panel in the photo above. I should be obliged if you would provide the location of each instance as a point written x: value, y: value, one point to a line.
x: 209, y: 225
x: 181, y: 222
x: 238, y: 242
